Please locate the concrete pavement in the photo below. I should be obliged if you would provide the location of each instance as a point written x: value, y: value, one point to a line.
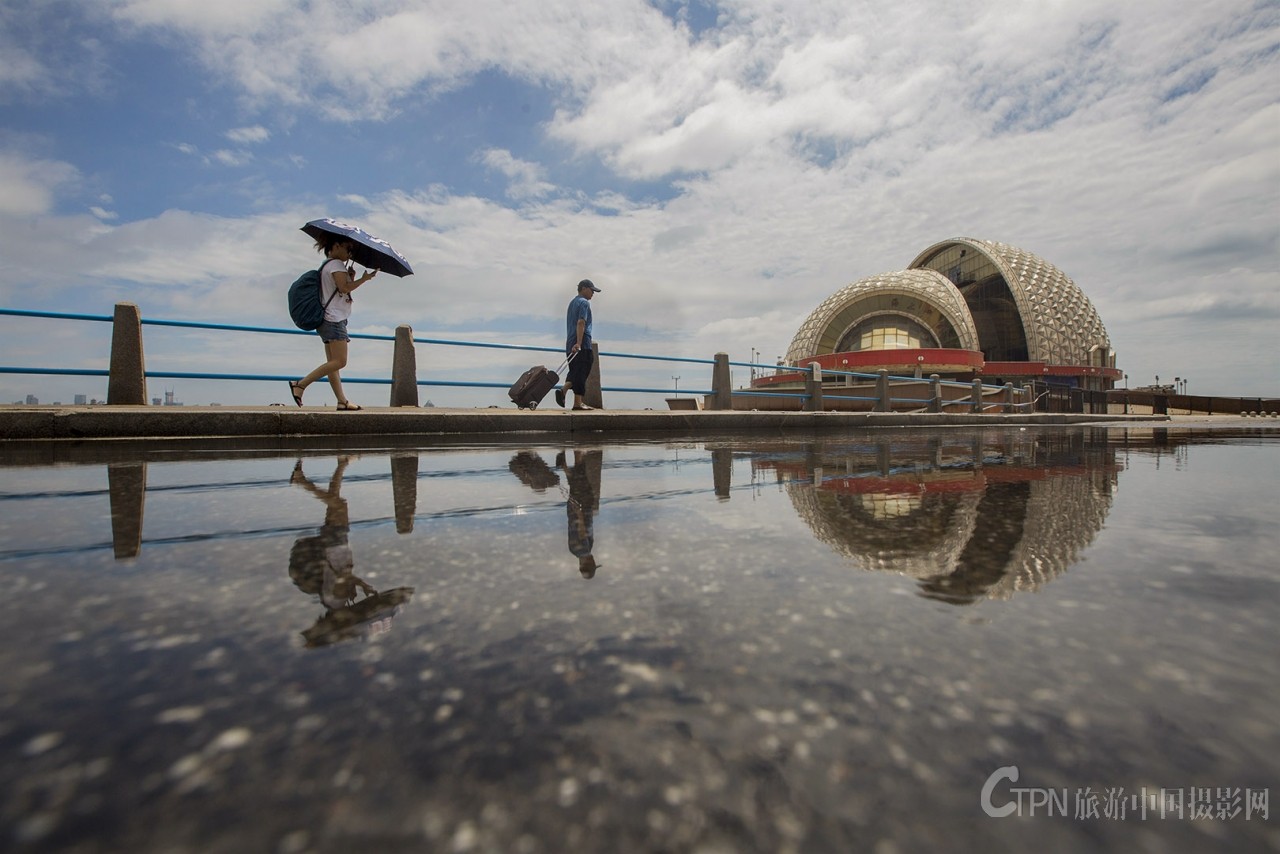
x: 140, y: 422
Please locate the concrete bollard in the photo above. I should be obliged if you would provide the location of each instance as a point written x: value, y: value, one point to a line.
x: 883, y: 404
x: 127, y: 383
x: 404, y: 369
x: 935, y: 393
x: 594, y: 396
x: 721, y: 396
x: 975, y: 403
x: 1008, y: 399
x: 813, y: 388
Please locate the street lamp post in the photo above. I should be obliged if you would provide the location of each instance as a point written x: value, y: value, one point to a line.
x: 677, y: 381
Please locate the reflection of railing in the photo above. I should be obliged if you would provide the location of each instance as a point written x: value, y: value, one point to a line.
x: 127, y: 374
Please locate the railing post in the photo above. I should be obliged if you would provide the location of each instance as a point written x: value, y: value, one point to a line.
x: 883, y: 404
x: 935, y: 393
x: 1008, y: 399
x: 975, y: 404
x: 813, y: 388
x: 721, y: 384
x: 404, y: 369
x: 127, y: 383
x: 594, y: 396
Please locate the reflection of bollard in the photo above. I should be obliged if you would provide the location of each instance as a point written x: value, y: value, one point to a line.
x: 404, y: 490
x: 404, y: 369
x: 722, y: 472
x: 127, y: 383
x: 127, y: 487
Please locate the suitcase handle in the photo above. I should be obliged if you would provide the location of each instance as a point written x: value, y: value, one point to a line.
x: 566, y: 362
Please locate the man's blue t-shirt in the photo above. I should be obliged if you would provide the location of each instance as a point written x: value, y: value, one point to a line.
x: 579, y: 308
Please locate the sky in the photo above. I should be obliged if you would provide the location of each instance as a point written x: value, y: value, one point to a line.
x: 717, y: 168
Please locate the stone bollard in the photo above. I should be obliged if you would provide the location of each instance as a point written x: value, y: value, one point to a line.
x: 883, y: 404
x: 935, y: 393
x: 1008, y: 399
x: 594, y: 396
x: 813, y: 388
x: 975, y: 404
x: 127, y: 383
x: 404, y: 369
x: 721, y: 396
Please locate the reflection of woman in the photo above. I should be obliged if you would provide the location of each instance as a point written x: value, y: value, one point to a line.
x: 323, y: 564
x: 336, y: 285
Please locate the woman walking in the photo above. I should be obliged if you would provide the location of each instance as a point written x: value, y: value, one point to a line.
x: 336, y: 285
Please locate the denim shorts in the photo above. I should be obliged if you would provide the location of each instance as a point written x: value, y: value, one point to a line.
x: 330, y: 331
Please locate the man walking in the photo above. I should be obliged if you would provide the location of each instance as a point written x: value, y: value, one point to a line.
x: 577, y: 345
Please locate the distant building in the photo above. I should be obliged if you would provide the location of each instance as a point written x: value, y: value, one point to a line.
x: 81, y: 399
x: 32, y: 400
x: 964, y: 309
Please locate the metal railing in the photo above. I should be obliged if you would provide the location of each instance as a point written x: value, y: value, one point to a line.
x: 933, y: 394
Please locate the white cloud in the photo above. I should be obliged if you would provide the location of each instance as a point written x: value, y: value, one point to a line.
x: 228, y: 157
x: 30, y: 185
x: 249, y: 135
x: 526, y: 179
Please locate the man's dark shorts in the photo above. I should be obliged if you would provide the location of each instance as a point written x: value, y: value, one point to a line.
x: 579, y: 368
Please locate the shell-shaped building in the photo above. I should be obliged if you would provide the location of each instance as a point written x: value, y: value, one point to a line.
x: 964, y: 309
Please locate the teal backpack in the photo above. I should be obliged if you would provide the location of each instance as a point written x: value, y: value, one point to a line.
x: 305, y: 307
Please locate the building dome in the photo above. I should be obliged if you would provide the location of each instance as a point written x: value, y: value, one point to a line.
x: 1004, y: 286
x: 922, y: 300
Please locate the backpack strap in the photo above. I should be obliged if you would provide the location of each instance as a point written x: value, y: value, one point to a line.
x: 320, y: 272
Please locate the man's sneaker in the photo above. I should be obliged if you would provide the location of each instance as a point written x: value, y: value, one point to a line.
x: 560, y: 397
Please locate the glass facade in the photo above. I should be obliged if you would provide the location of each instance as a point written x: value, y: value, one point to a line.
x: 886, y: 332
x: 995, y: 314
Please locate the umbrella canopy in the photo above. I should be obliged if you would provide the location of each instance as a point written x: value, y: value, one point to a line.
x: 370, y: 251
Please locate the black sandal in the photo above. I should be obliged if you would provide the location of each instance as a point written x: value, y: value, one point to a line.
x: 348, y: 406
x: 296, y: 389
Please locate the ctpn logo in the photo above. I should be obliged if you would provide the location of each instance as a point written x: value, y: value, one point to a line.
x: 1020, y: 800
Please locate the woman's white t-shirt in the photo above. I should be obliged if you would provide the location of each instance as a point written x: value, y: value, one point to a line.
x: 339, y: 308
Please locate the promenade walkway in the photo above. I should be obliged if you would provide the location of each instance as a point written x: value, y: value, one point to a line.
x: 185, y: 422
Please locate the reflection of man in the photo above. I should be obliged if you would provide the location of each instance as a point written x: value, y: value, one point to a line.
x: 323, y: 565
x: 584, y: 501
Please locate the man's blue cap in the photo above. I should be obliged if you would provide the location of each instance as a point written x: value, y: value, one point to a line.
x: 587, y: 283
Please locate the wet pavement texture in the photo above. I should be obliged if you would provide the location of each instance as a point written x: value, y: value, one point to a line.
x: 770, y: 645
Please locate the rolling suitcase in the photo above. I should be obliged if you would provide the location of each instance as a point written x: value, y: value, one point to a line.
x: 533, y: 385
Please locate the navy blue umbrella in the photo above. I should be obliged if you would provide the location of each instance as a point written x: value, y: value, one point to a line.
x: 370, y: 251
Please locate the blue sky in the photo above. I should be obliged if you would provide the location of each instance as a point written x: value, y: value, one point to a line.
x: 718, y: 168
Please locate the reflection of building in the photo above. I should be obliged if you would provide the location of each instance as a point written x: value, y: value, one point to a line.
x: 980, y: 517
x: 964, y: 309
